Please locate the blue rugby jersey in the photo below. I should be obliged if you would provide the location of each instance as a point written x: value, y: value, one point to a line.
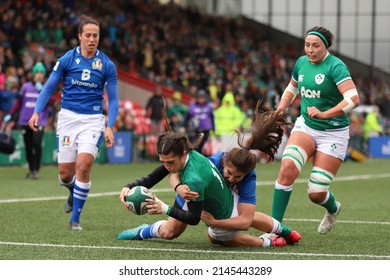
x: 83, y: 82
x: 246, y: 188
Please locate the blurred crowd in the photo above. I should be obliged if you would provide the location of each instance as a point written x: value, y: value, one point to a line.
x: 221, y: 62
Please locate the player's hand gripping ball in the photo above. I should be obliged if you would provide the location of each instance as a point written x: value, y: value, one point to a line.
x: 136, y: 200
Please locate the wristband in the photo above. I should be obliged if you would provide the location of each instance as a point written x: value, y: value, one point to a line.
x: 177, y: 186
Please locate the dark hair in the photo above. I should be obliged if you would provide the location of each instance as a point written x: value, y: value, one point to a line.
x: 324, y: 32
x: 173, y: 142
x: 266, y: 137
x: 86, y: 20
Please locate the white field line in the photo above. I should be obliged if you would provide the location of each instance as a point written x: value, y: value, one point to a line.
x: 67, y: 246
x: 264, y: 183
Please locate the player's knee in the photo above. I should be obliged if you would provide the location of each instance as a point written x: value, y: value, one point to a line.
x: 294, y: 157
x: 65, y: 176
x: 317, y: 198
x: 168, y: 234
x: 319, y: 182
x: 84, y: 169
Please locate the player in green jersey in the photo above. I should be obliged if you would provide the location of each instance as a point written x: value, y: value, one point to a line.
x: 214, y: 195
x: 328, y: 94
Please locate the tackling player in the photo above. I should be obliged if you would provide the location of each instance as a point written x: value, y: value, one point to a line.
x: 229, y: 205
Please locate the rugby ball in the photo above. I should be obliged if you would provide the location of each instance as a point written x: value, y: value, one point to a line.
x: 136, y: 200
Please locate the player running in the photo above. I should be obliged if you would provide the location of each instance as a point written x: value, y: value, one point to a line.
x: 85, y: 72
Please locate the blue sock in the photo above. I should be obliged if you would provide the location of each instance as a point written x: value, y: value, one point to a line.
x: 150, y: 231
x: 69, y: 186
x: 80, y: 195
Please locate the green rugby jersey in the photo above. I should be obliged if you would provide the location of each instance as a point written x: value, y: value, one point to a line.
x: 203, y: 177
x: 317, y: 84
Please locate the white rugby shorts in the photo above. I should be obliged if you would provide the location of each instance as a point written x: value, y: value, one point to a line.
x: 223, y: 234
x: 78, y: 133
x: 331, y: 142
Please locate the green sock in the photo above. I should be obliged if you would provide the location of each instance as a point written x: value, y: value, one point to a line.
x: 280, y: 229
x: 285, y: 230
x: 330, y: 205
x: 279, y: 203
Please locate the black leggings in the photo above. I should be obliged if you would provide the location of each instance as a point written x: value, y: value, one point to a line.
x: 33, y: 146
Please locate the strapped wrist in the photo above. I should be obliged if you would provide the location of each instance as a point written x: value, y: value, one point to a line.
x: 165, y: 209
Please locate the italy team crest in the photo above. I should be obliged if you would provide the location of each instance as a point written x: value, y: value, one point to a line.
x: 65, y: 141
x: 97, y: 64
x: 319, y: 78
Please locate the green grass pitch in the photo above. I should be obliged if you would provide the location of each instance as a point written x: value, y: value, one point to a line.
x: 34, y: 225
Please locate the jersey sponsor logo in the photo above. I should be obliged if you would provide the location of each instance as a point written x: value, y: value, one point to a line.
x: 308, y: 93
x: 319, y: 78
x: 97, y: 64
x: 84, y: 84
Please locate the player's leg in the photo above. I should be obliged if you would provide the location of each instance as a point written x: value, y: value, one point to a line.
x: 66, y: 154
x: 90, y: 136
x: 331, y: 150
x: 270, y: 225
x: 82, y: 187
x: 322, y: 175
x: 299, y: 148
x: 239, y: 239
x: 166, y: 229
x: 67, y: 179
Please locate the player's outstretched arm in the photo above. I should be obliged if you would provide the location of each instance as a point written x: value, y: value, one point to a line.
x: 147, y: 181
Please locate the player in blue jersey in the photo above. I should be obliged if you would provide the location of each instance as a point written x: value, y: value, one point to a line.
x: 328, y: 94
x: 237, y: 167
x: 81, y: 128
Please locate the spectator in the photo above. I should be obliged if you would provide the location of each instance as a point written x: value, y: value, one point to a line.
x: 154, y: 111
x: 371, y: 126
x: 177, y: 113
x: 25, y: 105
x: 200, y: 119
x: 228, y: 117
x: 7, y: 96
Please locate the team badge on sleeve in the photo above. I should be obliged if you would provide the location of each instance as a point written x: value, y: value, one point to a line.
x: 97, y: 64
